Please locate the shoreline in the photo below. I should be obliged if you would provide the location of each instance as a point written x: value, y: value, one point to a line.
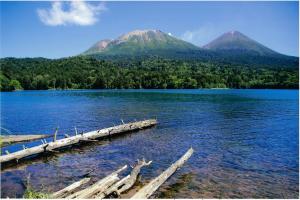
x: 158, y: 89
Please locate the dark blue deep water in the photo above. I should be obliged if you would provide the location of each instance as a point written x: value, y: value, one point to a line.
x: 246, y: 141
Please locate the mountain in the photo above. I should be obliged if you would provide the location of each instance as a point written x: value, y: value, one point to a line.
x: 141, y: 42
x: 231, y: 48
x: 236, y: 41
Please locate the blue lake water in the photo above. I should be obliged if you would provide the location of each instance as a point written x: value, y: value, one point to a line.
x: 246, y: 141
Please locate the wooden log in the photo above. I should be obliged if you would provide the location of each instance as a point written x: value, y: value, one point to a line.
x: 126, y: 183
x: 99, y: 186
x: 68, y: 190
x: 88, y: 140
x: 151, y: 187
x: 113, y: 188
x: 103, y: 183
x: 10, y: 139
x: 77, y: 138
x: 133, y: 176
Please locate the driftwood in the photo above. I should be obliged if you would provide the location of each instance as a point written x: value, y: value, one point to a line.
x: 68, y: 190
x: 126, y: 183
x: 99, y: 186
x: 56, y: 144
x: 151, y: 187
x: 10, y: 139
x: 104, y: 187
x: 112, y: 184
x: 112, y: 189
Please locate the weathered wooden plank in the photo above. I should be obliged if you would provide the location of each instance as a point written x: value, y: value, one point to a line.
x: 77, y: 138
x: 151, y: 187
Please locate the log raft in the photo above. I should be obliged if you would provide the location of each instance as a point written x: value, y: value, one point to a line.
x: 85, y: 137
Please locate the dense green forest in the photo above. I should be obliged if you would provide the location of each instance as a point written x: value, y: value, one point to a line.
x: 88, y: 73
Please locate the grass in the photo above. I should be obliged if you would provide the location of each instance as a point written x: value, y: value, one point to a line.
x: 30, y: 193
x: 1, y: 143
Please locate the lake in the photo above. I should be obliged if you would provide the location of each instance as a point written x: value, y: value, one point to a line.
x: 246, y: 141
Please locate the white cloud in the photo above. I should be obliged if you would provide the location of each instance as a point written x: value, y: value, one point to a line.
x: 74, y: 12
x: 200, y: 36
x: 170, y: 34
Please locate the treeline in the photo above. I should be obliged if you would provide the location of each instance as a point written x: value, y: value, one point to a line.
x: 89, y: 73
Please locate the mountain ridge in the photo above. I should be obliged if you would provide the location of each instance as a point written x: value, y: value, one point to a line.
x: 231, y: 47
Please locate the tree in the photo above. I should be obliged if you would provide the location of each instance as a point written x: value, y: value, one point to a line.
x: 15, y: 85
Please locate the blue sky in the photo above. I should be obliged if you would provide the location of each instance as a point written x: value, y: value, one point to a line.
x: 46, y: 29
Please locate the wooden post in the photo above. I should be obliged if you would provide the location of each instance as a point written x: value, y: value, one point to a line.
x: 54, y: 138
x: 151, y: 187
x: 76, y: 131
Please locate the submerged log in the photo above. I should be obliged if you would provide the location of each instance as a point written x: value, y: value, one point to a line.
x: 10, y: 139
x: 126, y: 183
x: 151, y: 187
x: 77, y: 138
x: 99, y: 186
x: 68, y: 190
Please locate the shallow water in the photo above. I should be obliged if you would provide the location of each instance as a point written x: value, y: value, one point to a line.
x: 245, y: 141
